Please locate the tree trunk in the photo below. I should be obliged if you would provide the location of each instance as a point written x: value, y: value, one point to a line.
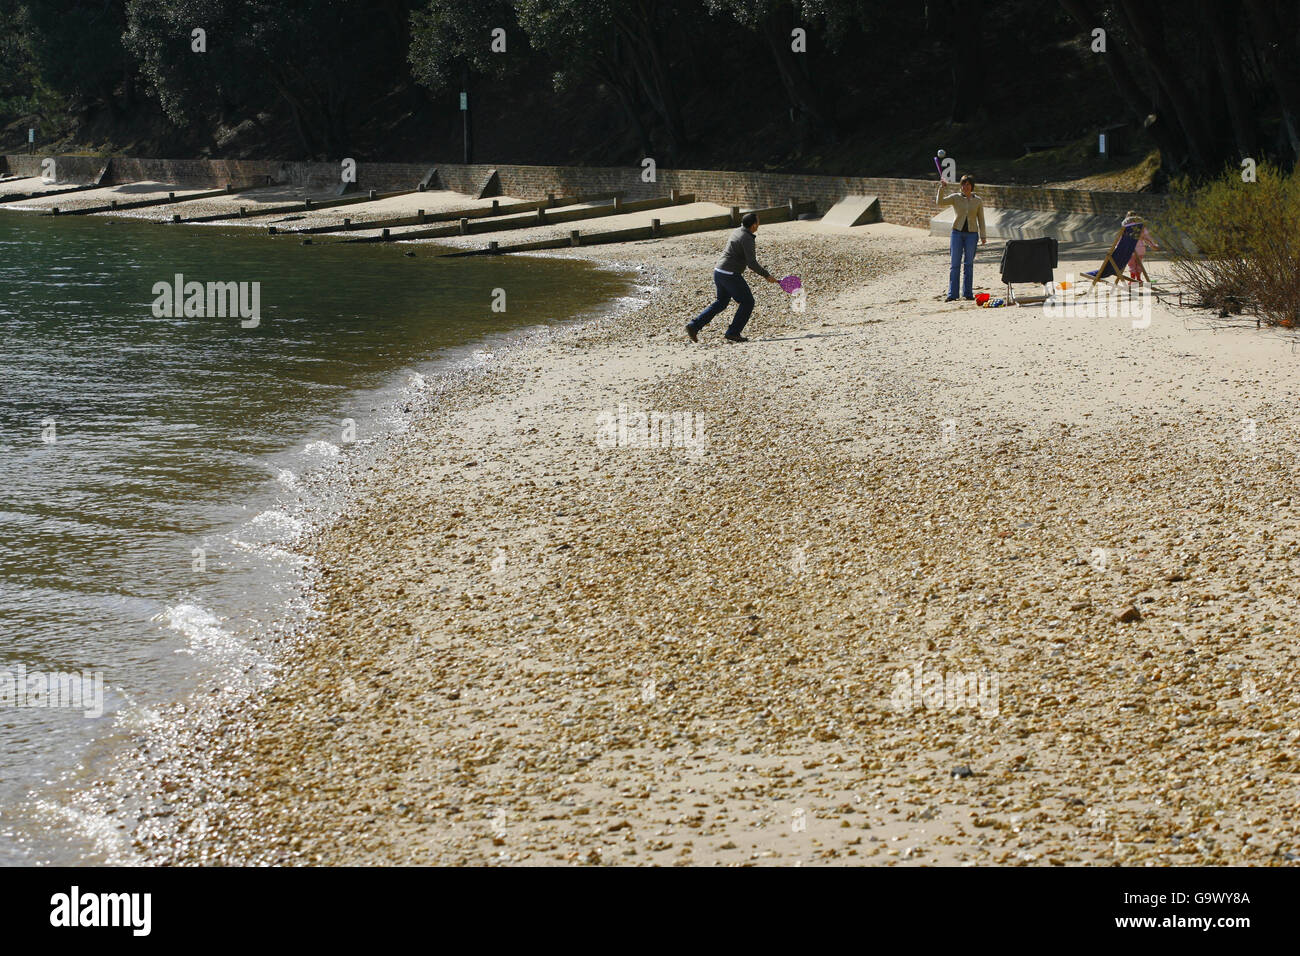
x: 299, y: 122
x: 793, y: 69
x: 966, y: 31
x: 1168, y: 138
x: 1278, y: 56
x: 1149, y: 34
x: 613, y: 72
x: 1221, y: 25
x: 636, y: 21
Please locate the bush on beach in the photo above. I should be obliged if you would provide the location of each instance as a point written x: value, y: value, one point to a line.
x: 1234, y: 244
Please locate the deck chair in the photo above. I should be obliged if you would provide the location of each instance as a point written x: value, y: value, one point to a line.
x: 1116, y: 261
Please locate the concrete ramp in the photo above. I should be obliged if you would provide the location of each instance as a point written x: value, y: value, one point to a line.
x: 491, y: 186
x: 853, y: 211
x: 1032, y: 224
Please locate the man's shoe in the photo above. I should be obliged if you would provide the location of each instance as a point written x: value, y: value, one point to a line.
x: 735, y: 338
x: 693, y: 333
x: 951, y: 298
x: 969, y: 298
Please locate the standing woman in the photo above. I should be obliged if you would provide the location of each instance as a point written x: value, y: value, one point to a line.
x: 966, y: 225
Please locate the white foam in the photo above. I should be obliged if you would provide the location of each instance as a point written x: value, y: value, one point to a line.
x: 282, y: 525
x: 321, y: 448
x: 99, y: 828
x: 203, y: 632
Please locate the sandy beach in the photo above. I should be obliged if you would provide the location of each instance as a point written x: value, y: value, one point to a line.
x: 541, y: 643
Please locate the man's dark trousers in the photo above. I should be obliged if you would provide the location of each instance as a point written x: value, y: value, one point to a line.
x: 729, y: 287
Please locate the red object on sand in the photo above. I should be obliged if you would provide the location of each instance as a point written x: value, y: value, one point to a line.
x: 981, y: 298
x: 790, y: 283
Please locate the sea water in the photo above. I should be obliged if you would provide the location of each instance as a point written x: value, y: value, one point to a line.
x: 157, y: 466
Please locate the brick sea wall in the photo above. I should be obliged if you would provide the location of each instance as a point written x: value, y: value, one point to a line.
x: 908, y: 202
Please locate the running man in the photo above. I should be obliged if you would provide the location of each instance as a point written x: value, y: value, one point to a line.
x: 729, y: 278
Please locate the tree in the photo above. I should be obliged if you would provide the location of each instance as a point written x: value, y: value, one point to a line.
x: 625, y: 44
x: 1201, y: 76
x: 452, y: 41
x: 775, y: 21
x: 325, y: 59
x: 85, y: 63
x: 587, y: 48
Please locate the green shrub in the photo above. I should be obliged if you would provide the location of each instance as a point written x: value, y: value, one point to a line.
x: 1234, y: 244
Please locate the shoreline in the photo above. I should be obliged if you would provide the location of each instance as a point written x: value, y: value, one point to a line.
x: 618, y: 691
x: 305, y: 481
x: 81, y: 799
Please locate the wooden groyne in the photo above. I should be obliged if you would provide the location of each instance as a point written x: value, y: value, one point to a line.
x: 655, y: 230
x: 455, y: 215
x: 308, y: 205
x: 171, y: 199
x: 544, y: 217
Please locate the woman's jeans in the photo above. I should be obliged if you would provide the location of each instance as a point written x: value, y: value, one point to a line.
x: 729, y: 287
x: 962, y: 243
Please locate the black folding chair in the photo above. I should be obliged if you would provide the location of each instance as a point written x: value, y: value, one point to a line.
x: 1029, y: 260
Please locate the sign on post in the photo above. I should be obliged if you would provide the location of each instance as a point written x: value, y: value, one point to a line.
x: 464, y: 101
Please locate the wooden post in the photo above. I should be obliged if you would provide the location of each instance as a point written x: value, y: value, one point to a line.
x: 550, y: 200
x: 270, y: 230
x: 793, y: 207
x: 464, y: 227
x: 672, y: 195
x: 496, y: 206
x: 347, y: 223
x: 372, y: 194
x: 176, y: 217
x: 243, y: 211
x: 573, y: 238
x: 493, y: 246
x: 230, y: 187
x: 112, y: 204
x: 306, y: 204
x: 385, y: 234
x: 171, y: 195
x: 419, y: 214
x: 735, y: 215
x: 541, y: 216
x: 654, y: 227
x: 618, y: 203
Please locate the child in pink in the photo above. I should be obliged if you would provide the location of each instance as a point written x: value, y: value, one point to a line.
x: 1144, y: 239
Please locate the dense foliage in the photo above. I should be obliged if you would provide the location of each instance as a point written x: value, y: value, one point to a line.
x: 1205, y: 80
x: 1234, y: 242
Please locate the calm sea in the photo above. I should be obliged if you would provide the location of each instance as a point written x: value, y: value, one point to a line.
x: 156, y: 471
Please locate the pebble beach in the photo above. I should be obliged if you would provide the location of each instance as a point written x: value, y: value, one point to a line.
x: 920, y: 584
